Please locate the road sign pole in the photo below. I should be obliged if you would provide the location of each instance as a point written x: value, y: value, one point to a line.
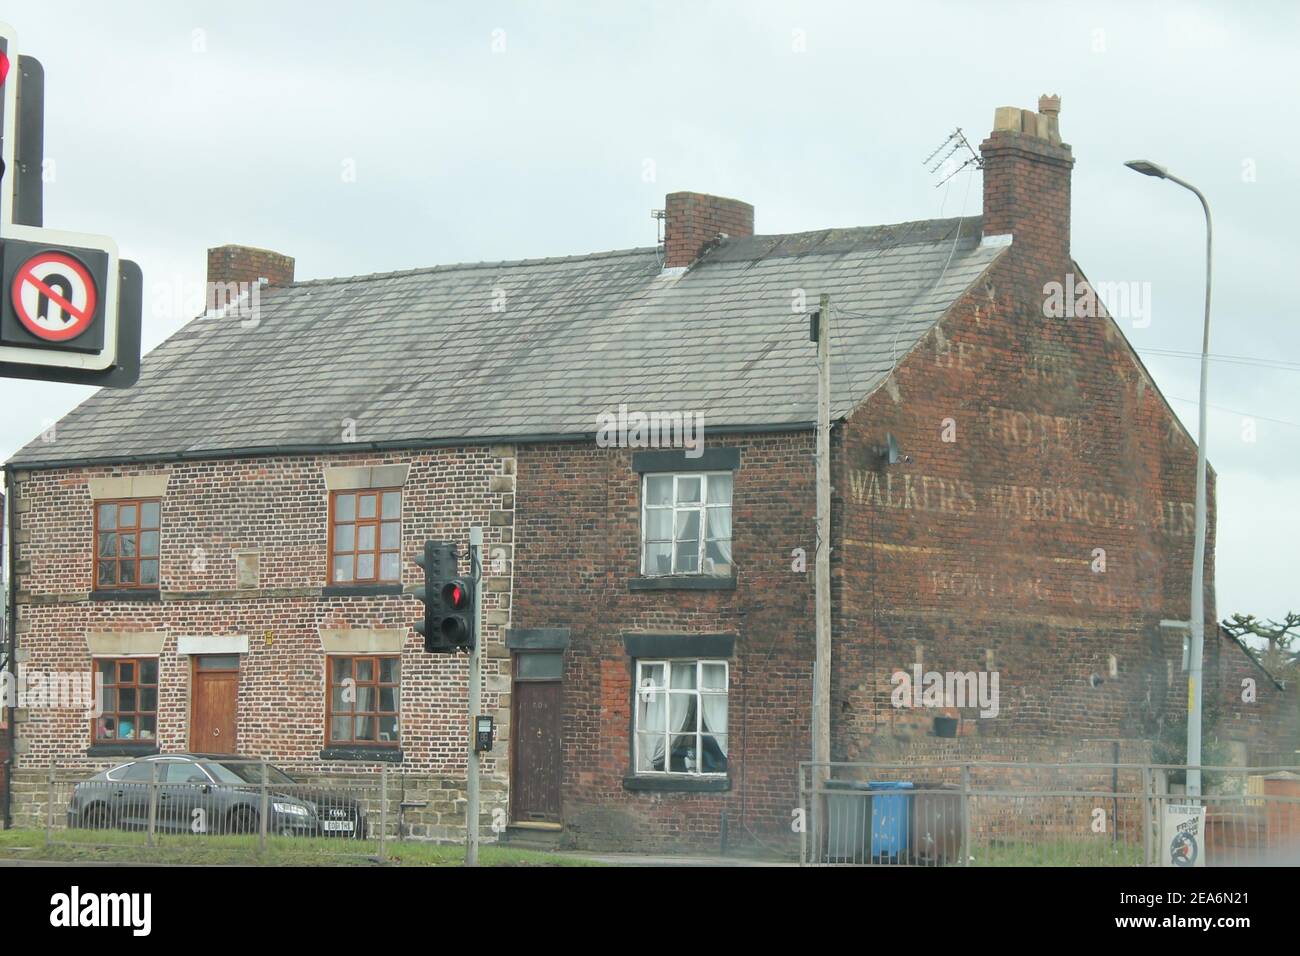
x: 475, y: 693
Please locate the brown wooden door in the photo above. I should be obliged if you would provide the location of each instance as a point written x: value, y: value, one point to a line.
x: 535, y: 777
x: 213, y: 705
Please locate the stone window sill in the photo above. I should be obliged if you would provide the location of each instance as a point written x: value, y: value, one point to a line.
x: 139, y: 749
x: 363, y: 754
x: 360, y: 590
x: 682, y: 582
x: 676, y: 783
x: 127, y: 594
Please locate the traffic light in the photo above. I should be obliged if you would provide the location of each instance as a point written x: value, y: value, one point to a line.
x: 8, y: 102
x: 22, y: 133
x: 457, y: 624
x: 448, y: 598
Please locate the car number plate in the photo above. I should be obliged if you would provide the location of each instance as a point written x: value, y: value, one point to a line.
x: 336, y: 824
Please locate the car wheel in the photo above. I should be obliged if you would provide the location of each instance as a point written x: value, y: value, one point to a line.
x: 243, y: 820
x: 95, y: 817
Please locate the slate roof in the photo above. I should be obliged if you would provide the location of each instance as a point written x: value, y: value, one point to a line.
x: 575, y: 336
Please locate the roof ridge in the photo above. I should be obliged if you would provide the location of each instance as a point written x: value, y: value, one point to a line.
x: 465, y: 266
x: 578, y: 339
x: 886, y: 231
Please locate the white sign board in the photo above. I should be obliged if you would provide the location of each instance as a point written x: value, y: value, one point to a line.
x: 1182, y: 835
x: 56, y: 311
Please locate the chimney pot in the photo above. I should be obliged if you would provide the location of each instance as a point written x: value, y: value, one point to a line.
x: 1007, y: 118
x: 1027, y: 184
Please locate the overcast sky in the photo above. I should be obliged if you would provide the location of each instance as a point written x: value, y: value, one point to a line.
x: 498, y: 131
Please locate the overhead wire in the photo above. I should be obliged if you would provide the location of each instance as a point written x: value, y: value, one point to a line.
x: 1250, y: 360
x: 1233, y: 411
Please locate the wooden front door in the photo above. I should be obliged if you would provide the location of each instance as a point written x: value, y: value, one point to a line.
x: 535, y: 773
x: 213, y: 704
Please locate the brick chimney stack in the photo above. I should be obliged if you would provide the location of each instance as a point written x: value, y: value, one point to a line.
x: 692, y: 220
x: 246, y: 264
x: 1027, y: 184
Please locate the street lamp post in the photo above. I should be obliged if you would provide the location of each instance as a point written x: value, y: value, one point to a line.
x: 1197, y: 622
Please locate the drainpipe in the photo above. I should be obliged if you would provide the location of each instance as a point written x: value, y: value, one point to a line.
x: 11, y: 634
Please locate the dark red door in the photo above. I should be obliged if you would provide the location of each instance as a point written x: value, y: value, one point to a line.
x: 535, y: 779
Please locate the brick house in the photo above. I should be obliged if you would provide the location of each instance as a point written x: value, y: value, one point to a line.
x: 649, y: 603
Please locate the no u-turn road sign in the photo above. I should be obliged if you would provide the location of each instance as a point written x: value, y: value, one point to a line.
x: 55, y: 296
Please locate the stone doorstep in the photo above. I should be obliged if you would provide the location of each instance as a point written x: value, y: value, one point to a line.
x: 534, y: 836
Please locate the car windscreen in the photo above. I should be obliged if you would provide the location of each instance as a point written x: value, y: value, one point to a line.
x: 135, y: 772
x: 245, y: 773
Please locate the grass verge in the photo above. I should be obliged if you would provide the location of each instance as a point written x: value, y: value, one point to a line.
x: 1099, y: 852
x: 127, y: 847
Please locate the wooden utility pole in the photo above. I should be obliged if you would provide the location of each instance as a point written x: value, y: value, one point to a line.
x: 822, y: 666
x: 475, y: 693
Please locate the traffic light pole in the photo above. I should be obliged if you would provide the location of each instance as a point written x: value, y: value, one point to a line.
x: 475, y: 692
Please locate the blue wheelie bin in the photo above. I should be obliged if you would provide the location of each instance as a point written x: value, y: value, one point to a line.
x: 890, y: 820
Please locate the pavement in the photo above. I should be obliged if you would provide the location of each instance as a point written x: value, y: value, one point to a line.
x: 651, y: 859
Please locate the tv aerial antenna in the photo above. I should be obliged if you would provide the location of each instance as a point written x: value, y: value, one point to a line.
x: 953, y: 160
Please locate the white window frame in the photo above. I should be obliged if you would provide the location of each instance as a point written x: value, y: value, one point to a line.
x: 698, y: 693
x: 702, y: 507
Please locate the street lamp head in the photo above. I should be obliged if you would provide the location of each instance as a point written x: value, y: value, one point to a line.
x: 1147, y: 168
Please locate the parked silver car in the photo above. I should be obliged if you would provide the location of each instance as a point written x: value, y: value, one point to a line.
x: 211, y: 793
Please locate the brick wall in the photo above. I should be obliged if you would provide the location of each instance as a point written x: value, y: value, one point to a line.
x: 247, y: 264
x: 1039, y: 447
x: 694, y: 219
x: 277, y: 506
x: 579, y: 527
x: 1252, y: 711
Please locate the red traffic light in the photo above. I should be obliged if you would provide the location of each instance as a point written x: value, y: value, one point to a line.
x: 4, y: 67
x: 455, y: 596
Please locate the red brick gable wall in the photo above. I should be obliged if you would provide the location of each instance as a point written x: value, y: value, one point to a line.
x: 985, y: 544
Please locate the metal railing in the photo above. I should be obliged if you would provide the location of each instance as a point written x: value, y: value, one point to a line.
x: 1038, y: 814
x: 243, y: 806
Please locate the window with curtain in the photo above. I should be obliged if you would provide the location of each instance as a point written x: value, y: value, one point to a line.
x: 681, y: 717
x: 127, y: 690
x: 686, y: 524
x: 363, y: 704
